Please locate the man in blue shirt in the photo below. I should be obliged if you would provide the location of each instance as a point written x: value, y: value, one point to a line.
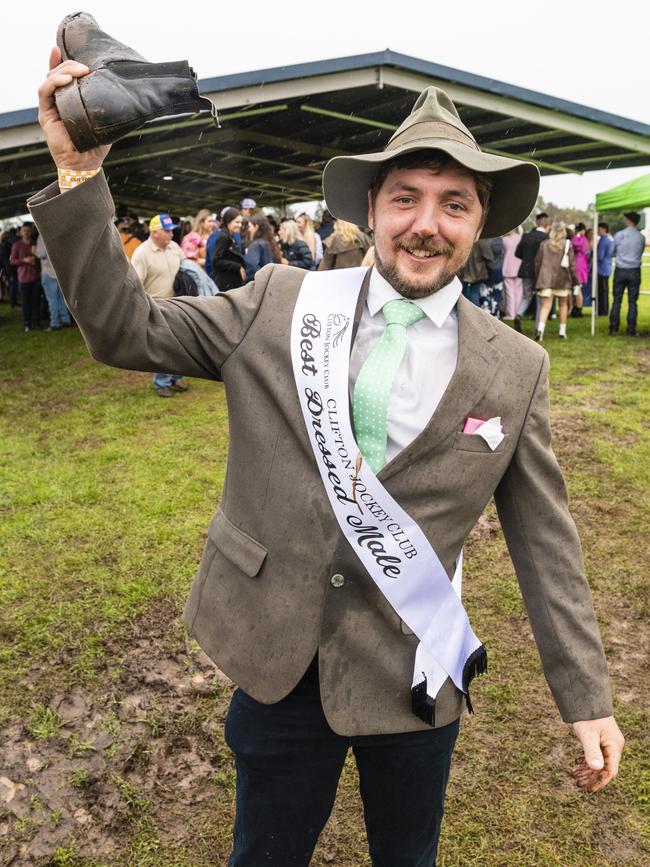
x: 604, y: 254
x: 629, y: 244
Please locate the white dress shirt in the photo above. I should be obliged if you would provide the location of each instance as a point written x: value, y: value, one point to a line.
x: 428, y: 364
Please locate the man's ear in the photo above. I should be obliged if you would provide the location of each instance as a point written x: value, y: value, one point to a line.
x: 370, y: 212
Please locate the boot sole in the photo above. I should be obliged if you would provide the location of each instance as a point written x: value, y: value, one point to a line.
x: 69, y: 103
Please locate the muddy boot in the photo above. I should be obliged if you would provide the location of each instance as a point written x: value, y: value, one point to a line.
x: 123, y: 91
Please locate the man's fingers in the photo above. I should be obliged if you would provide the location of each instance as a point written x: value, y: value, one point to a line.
x: 55, y: 57
x: 602, y: 743
x: 72, y: 67
x: 58, y: 76
x: 46, y: 90
x: 612, y: 753
x: 591, y: 745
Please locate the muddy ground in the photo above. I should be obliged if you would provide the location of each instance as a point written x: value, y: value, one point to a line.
x: 113, y: 776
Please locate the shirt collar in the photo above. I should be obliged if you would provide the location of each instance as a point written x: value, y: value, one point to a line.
x: 437, y: 307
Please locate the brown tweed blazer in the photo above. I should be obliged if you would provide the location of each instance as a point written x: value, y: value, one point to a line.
x: 262, y: 603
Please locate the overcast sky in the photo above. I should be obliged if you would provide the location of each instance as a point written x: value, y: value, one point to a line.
x: 591, y: 53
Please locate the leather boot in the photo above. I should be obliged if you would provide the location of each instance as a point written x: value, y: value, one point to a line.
x: 123, y: 90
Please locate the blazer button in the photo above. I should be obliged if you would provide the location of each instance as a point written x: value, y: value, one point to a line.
x: 337, y: 580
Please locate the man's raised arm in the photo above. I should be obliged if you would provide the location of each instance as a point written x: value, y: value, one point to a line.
x: 121, y: 324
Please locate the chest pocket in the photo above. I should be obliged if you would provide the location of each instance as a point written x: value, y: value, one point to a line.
x: 475, y: 443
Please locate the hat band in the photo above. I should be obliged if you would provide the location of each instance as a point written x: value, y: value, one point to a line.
x: 430, y: 129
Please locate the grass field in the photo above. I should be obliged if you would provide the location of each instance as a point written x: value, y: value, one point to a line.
x: 111, y: 746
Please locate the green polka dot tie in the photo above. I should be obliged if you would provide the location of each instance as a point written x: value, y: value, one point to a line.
x: 375, y: 380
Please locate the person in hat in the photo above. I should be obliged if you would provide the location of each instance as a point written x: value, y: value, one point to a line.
x: 156, y: 262
x: 629, y: 245
x: 247, y: 208
x: 329, y: 589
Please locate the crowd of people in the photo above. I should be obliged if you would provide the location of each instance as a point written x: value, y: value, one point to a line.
x: 545, y: 273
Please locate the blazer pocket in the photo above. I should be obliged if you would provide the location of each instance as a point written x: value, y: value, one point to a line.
x: 475, y: 443
x: 242, y: 550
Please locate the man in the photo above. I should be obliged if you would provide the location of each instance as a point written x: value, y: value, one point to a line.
x: 248, y: 207
x: 629, y: 245
x: 475, y: 273
x: 526, y: 251
x: 59, y: 313
x: 23, y: 258
x: 326, y: 227
x: 156, y: 262
x: 604, y: 253
x: 291, y: 600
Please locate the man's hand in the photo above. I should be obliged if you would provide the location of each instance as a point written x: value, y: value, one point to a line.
x: 64, y: 153
x: 602, y: 743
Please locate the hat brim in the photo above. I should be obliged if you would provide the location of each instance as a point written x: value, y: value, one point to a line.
x: 346, y: 181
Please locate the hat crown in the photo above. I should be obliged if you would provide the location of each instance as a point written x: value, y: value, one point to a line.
x: 432, y: 106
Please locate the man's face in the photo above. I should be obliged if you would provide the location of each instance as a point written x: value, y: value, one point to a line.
x: 26, y: 234
x: 425, y: 224
x: 161, y: 238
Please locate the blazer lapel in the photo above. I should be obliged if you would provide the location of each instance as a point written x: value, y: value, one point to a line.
x: 476, y: 366
x: 361, y: 303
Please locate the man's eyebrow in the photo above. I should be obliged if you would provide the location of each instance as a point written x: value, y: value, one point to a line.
x: 459, y: 193
x: 402, y: 185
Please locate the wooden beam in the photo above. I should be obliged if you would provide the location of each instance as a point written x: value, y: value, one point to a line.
x: 249, y: 180
x: 322, y: 151
x: 350, y: 118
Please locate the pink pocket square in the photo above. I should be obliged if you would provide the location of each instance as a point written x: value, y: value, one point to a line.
x: 472, y: 424
x: 491, y: 430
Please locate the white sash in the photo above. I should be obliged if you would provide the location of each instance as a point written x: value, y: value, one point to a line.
x: 389, y: 543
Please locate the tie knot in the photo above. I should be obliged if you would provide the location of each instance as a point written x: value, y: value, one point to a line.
x: 402, y: 312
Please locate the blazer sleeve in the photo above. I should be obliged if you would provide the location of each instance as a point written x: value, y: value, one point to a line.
x: 532, y: 504
x: 121, y: 324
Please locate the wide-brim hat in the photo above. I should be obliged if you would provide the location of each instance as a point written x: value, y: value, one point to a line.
x: 434, y: 124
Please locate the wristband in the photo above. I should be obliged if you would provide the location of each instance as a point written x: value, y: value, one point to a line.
x: 71, y: 178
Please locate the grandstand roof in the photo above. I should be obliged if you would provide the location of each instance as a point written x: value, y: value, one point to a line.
x: 280, y: 126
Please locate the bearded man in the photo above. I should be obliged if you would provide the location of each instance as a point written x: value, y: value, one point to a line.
x: 329, y: 588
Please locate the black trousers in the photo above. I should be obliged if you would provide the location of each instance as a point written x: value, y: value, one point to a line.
x: 630, y: 279
x: 289, y: 761
x: 603, y: 295
x: 30, y: 298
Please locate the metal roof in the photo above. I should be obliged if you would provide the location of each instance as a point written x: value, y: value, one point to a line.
x: 280, y: 126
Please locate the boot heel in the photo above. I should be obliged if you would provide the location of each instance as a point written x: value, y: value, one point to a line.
x: 73, y: 114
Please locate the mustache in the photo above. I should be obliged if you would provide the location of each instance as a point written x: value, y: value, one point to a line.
x: 416, y: 244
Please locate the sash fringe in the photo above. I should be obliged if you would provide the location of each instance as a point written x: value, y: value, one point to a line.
x: 422, y: 705
x: 477, y: 663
